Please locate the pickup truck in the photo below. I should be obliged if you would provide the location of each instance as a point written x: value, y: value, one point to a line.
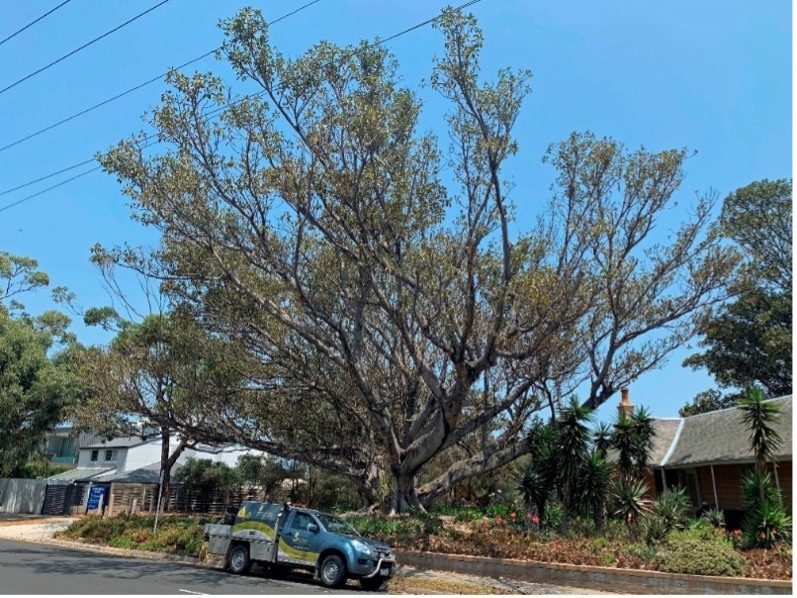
x: 279, y: 536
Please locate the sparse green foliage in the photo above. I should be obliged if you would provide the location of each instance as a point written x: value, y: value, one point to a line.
x: 311, y: 226
x: 19, y: 274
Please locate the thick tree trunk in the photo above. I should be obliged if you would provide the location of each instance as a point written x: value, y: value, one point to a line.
x: 404, y: 497
x: 468, y: 468
x: 369, y: 485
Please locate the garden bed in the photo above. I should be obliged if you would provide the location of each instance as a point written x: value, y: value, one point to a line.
x: 614, y: 547
x: 611, y: 548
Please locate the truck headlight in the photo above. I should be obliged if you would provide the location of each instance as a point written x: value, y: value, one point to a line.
x: 362, y: 547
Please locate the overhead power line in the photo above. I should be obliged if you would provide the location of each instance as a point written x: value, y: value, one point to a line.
x: 33, y: 22
x: 29, y: 197
x: 83, y: 47
x: 137, y: 87
x: 211, y: 114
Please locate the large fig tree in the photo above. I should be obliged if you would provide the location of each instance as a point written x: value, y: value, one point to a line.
x: 388, y: 305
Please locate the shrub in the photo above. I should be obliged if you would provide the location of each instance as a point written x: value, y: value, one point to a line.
x: 640, y: 551
x: 703, y: 531
x: 682, y: 554
x: 182, y: 536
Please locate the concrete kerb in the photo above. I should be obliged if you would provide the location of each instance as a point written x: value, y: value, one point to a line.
x: 599, y: 578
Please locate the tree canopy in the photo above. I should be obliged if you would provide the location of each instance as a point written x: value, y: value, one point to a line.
x: 38, y: 382
x: 377, y: 316
x: 748, y: 341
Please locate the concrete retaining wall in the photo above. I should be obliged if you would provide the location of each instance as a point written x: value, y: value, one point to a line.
x: 599, y: 578
x: 22, y: 496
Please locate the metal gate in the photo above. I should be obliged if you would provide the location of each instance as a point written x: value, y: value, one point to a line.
x: 59, y: 499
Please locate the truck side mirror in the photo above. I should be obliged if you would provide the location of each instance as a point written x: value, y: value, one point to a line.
x: 312, y: 528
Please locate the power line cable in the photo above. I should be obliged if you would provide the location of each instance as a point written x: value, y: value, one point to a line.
x: 137, y: 87
x: 84, y: 46
x: 47, y: 176
x: 33, y: 22
x: 211, y: 114
x: 29, y: 197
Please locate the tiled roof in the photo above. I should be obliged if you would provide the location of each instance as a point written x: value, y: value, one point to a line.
x: 79, y: 474
x: 721, y: 437
x: 666, y: 431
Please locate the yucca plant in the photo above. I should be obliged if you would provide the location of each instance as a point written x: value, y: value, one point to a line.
x: 766, y: 521
x: 537, y: 481
x: 672, y: 508
x: 593, y: 488
x: 716, y: 517
x: 629, y: 500
x: 571, y: 443
x: 602, y: 439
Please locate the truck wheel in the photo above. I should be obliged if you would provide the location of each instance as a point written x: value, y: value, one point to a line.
x: 333, y: 571
x: 372, y: 584
x: 239, y: 559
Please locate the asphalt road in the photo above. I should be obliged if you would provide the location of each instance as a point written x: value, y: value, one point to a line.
x: 27, y: 568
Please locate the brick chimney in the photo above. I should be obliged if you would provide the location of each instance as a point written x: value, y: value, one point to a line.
x: 625, y: 406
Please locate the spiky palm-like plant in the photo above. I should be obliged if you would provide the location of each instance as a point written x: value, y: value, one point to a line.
x: 629, y: 500
x: 572, y: 437
x: 765, y: 521
x: 593, y: 487
x: 602, y: 439
x: 759, y: 417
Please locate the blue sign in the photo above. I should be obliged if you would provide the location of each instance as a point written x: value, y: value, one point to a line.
x: 95, y: 493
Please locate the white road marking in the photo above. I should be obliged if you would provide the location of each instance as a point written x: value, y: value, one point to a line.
x: 190, y: 592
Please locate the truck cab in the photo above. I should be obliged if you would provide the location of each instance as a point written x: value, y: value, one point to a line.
x: 283, y: 536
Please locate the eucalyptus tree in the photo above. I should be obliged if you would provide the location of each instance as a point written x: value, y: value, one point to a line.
x: 151, y: 375
x: 386, y: 317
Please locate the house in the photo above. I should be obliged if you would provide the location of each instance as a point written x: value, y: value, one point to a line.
x: 62, y: 445
x: 128, y: 468
x: 708, y: 454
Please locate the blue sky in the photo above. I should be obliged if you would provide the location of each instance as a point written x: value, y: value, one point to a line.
x: 710, y: 75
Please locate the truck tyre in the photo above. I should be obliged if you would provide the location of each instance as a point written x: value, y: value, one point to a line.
x: 333, y: 571
x: 372, y: 584
x: 238, y: 561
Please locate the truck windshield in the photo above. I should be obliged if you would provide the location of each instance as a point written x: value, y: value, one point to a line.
x: 336, y: 526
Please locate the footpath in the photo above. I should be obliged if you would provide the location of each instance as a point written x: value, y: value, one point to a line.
x: 408, y: 580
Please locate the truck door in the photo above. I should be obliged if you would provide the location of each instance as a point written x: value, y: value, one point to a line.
x: 298, y: 544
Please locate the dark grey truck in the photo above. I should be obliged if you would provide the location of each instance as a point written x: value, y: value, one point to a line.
x: 279, y: 536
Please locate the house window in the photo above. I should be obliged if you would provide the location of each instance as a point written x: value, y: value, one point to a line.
x: 95, y: 455
x: 110, y: 455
